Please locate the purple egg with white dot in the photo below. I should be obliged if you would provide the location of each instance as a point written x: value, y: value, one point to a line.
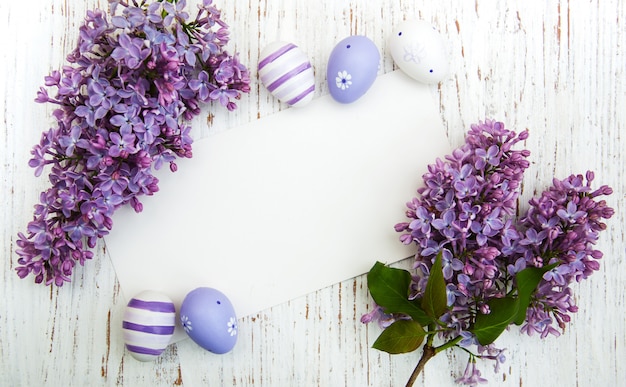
x: 148, y: 324
x: 352, y: 68
x: 208, y: 317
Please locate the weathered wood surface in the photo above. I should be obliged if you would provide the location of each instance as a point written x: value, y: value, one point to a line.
x: 555, y: 67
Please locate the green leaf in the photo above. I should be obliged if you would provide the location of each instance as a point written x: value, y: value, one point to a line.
x: 400, y: 337
x: 389, y: 288
x: 527, y: 281
x: 488, y: 327
x: 435, y: 300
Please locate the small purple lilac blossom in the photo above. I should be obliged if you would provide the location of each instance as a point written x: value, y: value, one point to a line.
x: 471, y: 376
x: 124, y: 103
x: 466, y: 210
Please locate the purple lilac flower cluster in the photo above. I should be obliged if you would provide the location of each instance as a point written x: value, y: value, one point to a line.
x: 124, y: 102
x: 560, y: 228
x: 464, y: 212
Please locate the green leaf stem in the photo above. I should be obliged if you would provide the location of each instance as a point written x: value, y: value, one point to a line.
x: 527, y: 281
x: 488, y: 327
x: 389, y: 288
x: 400, y: 337
x: 435, y: 301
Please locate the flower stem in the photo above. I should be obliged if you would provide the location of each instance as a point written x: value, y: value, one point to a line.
x: 428, y: 353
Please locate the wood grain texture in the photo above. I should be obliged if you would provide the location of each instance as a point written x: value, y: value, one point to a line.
x: 555, y: 67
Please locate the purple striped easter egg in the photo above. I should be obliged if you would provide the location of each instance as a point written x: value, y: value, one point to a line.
x: 285, y: 70
x: 148, y: 324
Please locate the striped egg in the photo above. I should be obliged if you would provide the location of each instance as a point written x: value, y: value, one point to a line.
x: 285, y: 70
x: 148, y: 324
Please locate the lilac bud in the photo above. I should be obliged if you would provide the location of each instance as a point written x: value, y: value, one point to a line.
x: 597, y: 254
x: 406, y: 239
x: 495, y: 179
x: 53, y: 79
x: 523, y: 135
x: 136, y: 204
x: 42, y: 96
x: 400, y: 227
x: 23, y: 271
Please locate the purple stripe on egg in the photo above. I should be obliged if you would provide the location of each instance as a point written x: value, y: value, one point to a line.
x: 154, y: 329
x: 276, y: 54
x: 144, y: 350
x: 154, y: 306
x: 297, y: 99
x: 285, y: 77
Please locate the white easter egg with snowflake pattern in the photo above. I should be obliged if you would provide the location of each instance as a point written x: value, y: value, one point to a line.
x: 418, y: 50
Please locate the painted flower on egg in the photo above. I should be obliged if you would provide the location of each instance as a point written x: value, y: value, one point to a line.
x: 343, y: 80
x: 232, y: 326
x: 214, y: 319
x: 419, y: 51
x: 186, y: 322
x: 414, y: 53
x: 352, y: 68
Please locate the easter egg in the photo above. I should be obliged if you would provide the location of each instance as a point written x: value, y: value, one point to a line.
x: 419, y: 51
x: 148, y: 324
x: 208, y: 317
x: 352, y: 68
x: 285, y: 70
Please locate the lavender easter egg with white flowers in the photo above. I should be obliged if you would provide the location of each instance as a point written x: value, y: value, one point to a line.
x: 418, y: 50
x: 352, y: 68
x: 208, y: 317
x: 148, y: 324
x: 286, y: 72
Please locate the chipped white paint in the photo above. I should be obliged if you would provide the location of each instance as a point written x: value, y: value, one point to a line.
x: 555, y: 67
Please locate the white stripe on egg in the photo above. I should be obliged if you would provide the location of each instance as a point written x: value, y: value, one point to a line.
x: 285, y: 70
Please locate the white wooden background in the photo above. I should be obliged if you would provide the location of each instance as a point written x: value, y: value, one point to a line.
x: 555, y: 67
